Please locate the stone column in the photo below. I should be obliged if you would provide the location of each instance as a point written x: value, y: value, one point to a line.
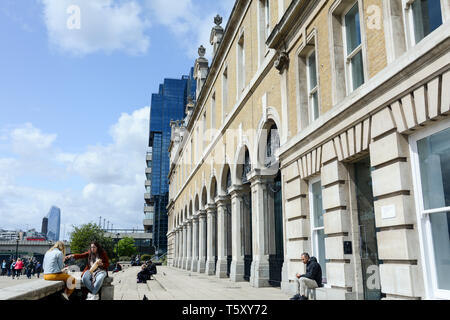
x: 179, y: 246
x: 211, y: 240
x: 222, y: 228
x: 339, y: 270
x: 189, y: 246
x: 194, y: 263
x: 174, y: 248
x: 202, y: 241
x: 395, y: 214
x: 237, y: 224
x: 259, y: 276
x: 183, y: 260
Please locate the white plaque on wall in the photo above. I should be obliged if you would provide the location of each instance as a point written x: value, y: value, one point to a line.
x: 388, y: 212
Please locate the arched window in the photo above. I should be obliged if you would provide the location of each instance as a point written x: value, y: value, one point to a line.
x: 273, y: 144
x: 247, y: 167
x: 228, y: 180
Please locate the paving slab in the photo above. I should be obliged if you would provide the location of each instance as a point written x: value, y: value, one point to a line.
x: 174, y: 284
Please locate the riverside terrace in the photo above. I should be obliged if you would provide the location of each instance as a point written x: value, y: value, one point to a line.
x: 169, y: 284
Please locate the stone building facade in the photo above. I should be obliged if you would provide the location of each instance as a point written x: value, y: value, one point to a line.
x: 319, y: 126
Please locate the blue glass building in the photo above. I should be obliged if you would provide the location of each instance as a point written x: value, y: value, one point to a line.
x: 167, y: 105
x: 53, y: 224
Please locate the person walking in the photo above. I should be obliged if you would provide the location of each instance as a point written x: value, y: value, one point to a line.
x: 3, y: 268
x: 11, y: 269
x: 96, y: 269
x: 30, y: 267
x: 18, y: 268
x: 54, y: 268
x: 37, y: 269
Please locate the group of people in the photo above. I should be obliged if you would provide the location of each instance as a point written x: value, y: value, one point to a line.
x: 147, y: 270
x: 16, y: 267
x: 93, y: 275
x: 136, y: 261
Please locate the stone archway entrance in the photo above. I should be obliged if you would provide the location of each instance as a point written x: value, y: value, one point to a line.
x: 275, y: 206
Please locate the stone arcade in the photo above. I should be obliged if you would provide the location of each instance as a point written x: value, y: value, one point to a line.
x: 315, y: 131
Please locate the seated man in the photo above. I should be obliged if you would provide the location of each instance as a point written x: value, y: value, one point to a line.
x: 117, y: 268
x: 310, y: 280
x: 151, y: 269
x: 143, y: 275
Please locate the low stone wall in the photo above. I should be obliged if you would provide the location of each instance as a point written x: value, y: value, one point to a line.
x: 40, y: 289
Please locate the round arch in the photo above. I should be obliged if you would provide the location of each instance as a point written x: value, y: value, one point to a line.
x: 267, y: 121
x: 226, y: 180
x: 243, y: 161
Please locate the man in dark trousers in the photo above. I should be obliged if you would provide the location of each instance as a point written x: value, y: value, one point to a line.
x: 151, y: 268
x: 310, y: 280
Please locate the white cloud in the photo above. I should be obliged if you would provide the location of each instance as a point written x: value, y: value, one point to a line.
x: 114, y: 176
x: 191, y: 22
x: 105, y: 25
x: 28, y: 140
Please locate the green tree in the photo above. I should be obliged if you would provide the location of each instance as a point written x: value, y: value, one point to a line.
x: 84, y: 235
x: 126, y: 247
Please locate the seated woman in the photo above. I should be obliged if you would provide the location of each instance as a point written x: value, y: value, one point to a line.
x: 53, y: 266
x: 143, y: 275
x: 96, y: 269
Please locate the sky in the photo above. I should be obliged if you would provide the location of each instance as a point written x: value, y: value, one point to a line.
x: 76, y: 78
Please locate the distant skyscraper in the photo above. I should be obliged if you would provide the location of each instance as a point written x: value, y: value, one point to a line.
x: 54, y: 224
x: 167, y: 105
x: 44, y: 228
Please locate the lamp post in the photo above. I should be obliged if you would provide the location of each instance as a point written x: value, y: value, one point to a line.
x: 17, y: 246
x: 117, y: 246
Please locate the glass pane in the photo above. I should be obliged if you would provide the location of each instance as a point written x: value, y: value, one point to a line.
x: 312, y: 71
x: 317, y: 204
x: 315, y: 106
x: 352, y: 29
x: 321, y: 252
x: 434, y: 158
x: 440, y: 226
x: 357, y: 70
x: 427, y: 17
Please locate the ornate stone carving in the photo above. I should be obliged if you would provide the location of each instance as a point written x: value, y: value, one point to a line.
x: 282, y: 61
x: 201, y: 51
x: 218, y: 20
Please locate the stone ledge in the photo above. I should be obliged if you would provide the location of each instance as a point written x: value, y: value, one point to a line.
x: 35, y: 290
x: 40, y: 289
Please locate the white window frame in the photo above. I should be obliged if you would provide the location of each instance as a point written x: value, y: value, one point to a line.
x: 197, y: 144
x: 409, y: 20
x: 348, y: 56
x: 225, y: 93
x: 267, y: 17
x: 314, y: 237
x: 423, y: 216
x: 240, y: 65
x: 303, y: 101
x: 312, y: 91
x: 205, y: 126
x: 264, y: 29
x: 213, y: 111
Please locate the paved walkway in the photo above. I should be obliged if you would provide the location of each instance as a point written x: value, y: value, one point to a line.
x: 6, y: 282
x: 174, y: 284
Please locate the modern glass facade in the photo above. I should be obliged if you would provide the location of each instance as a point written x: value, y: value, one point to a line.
x: 167, y: 105
x: 53, y: 224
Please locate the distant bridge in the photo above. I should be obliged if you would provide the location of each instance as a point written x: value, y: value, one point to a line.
x: 27, y: 248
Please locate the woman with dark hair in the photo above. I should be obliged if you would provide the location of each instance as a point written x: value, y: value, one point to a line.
x: 96, y: 269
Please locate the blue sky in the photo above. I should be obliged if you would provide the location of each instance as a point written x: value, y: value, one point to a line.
x: 75, y: 102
